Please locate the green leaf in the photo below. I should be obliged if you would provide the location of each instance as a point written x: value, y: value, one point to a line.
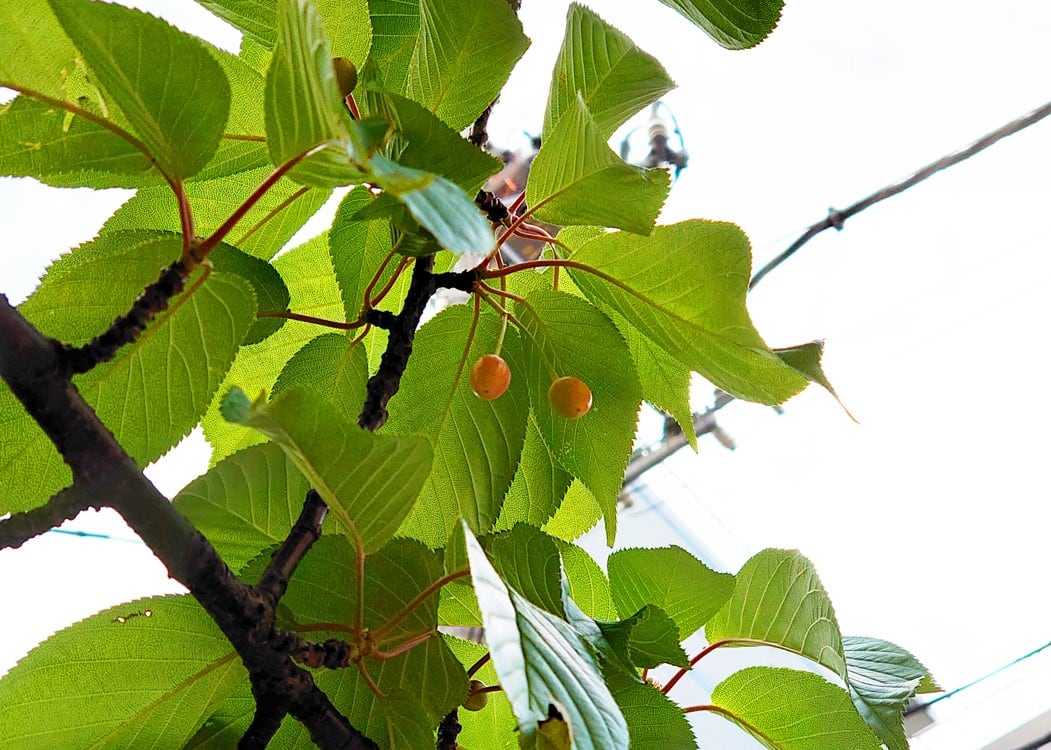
x: 576, y: 179
x: 806, y: 359
x: 346, y: 23
x: 684, y: 287
x: 86, y: 686
x: 279, y: 214
x: 154, y: 390
x: 358, y: 247
x: 176, y: 97
x: 615, y: 78
x: 577, y: 515
x: 245, y: 503
x: 267, y: 284
x: 565, y: 335
x: 34, y: 50
x: 438, y: 205
x: 368, y: 481
x: 451, y: 56
x: 588, y: 585
x: 494, y: 727
x: 542, y: 661
x: 312, y: 289
x: 528, y: 561
x: 653, y: 719
x: 789, y: 710
x: 37, y: 141
x: 538, y: 486
x: 334, y: 368
x: 735, y: 24
x: 476, y: 442
x: 647, y: 639
x: 671, y: 578
x: 425, y: 142
x: 779, y: 599
x: 881, y: 679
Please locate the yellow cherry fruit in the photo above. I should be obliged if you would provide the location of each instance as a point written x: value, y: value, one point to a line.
x: 476, y: 700
x: 490, y: 377
x: 570, y: 397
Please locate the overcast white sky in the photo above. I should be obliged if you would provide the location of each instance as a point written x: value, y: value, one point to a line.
x: 928, y: 521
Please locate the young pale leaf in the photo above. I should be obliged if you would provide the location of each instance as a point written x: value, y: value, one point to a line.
x: 265, y: 229
x: 36, y: 141
x: 538, y: 486
x: 588, y: 585
x: 684, y: 287
x: 528, y: 561
x: 790, y: 710
x: 331, y: 366
x: 312, y: 289
x: 176, y: 96
x: 267, y: 284
x: 565, y: 335
x: 542, y: 661
x: 647, y: 639
x: 245, y: 503
x: 423, y: 141
x: 882, y: 678
x: 735, y: 24
x: 654, y: 721
x: 779, y: 599
x: 451, y: 56
x: 154, y: 390
x: 370, y: 482
x: 671, y: 578
x: 476, y: 442
x: 615, y: 78
x: 577, y: 515
x: 142, y: 674
x: 576, y: 179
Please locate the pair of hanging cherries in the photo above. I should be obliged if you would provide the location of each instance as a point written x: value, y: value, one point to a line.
x: 490, y: 378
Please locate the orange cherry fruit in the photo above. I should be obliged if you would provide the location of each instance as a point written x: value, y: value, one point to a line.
x: 570, y: 397
x: 490, y: 377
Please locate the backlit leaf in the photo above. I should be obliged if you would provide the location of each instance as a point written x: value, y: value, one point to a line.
x: 538, y: 486
x: 735, y: 24
x: 330, y: 365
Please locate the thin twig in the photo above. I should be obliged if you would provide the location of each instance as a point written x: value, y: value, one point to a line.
x: 19, y: 528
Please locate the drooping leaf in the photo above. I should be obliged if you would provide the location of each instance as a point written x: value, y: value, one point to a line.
x: 267, y: 285
x: 671, y: 578
x: 684, y: 287
x: 176, y: 97
x: 790, y: 710
x: 451, y: 56
x: 86, y: 686
x: 312, y: 288
x: 368, y: 481
x: 735, y: 24
x: 538, y: 486
x: 565, y: 335
x: 615, y: 78
x: 576, y: 179
x: 275, y: 218
x: 330, y: 365
x: 779, y: 599
x: 647, y: 639
x: 542, y: 661
x: 588, y: 585
x: 528, y: 561
x: 476, y: 442
x: 881, y: 679
x: 653, y: 719
x: 245, y: 503
x: 154, y: 390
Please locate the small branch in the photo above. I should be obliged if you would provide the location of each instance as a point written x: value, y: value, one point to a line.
x: 492, y: 207
x: 448, y: 730
x: 479, y: 134
x: 837, y: 218
x: 332, y: 654
x: 305, y: 531
x: 19, y: 528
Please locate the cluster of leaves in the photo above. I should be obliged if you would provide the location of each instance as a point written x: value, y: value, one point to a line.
x: 460, y: 512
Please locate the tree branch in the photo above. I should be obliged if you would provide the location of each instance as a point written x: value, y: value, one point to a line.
x: 305, y: 531
x: 19, y: 528
x: 448, y: 730
x: 837, y: 218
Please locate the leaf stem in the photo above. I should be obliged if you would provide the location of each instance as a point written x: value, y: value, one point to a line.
x: 479, y: 664
x: 390, y: 282
x: 240, y: 137
x: 713, y: 647
x: 272, y: 213
x: 417, y: 600
x: 369, y: 681
x: 185, y: 215
x: 365, y: 301
x: 405, y: 647
x: 311, y: 319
